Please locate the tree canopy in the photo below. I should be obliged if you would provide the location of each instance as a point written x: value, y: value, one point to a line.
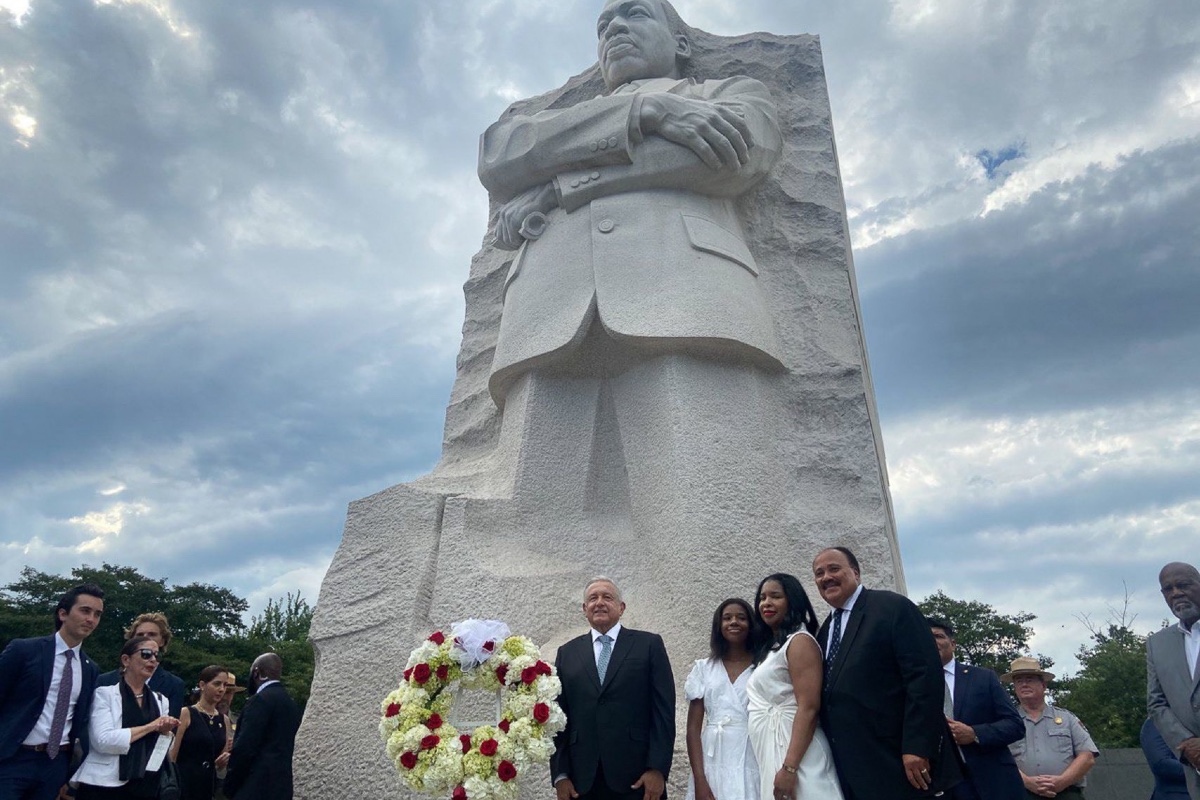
x: 984, y: 638
x: 206, y: 622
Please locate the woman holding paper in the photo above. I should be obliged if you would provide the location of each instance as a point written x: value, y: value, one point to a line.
x: 127, y: 723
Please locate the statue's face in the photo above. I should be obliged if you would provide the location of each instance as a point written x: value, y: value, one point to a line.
x: 635, y: 42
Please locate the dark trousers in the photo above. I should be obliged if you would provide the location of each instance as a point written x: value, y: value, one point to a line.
x: 601, y: 791
x: 29, y: 775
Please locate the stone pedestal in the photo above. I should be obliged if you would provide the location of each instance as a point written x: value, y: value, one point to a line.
x: 495, y: 531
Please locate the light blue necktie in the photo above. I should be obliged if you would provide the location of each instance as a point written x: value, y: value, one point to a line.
x: 606, y: 642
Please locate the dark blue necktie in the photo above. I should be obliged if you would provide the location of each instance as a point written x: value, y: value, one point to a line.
x: 835, y: 642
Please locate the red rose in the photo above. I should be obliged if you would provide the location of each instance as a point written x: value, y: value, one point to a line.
x: 543, y: 668
x: 435, y: 721
x: 489, y: 646
x: 438, y: 638
x: 465, y: 741
x: 504, y: 725
x: 541, y: 713
x: 506, y: 771
x: 409, y: 759
x: 459, y: 793
x: 407, y: 673
x: 488, y: 747
x: 443, y: 672
x: 502, y: 672
x: 392, y: 710
x: 421, y: 673
x: 529, y: 675
x: 431, y: 741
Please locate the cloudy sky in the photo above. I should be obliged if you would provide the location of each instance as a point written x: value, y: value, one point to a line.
x: 233, y: 238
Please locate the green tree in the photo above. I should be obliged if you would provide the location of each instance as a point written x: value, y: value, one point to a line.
x: 206, y: 622
x: 984, y: 638
x: 1109, y: 692
x: 283, y: 628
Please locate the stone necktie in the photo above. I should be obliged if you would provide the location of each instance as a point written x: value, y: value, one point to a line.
x: 835, y: 642
x: 65, y: 684
x: 605, y: 654
x: 948, y: 702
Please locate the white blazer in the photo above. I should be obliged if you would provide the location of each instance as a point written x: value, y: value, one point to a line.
x: 108, y: 740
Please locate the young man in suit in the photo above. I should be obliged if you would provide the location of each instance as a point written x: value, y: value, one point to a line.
x: 881, y: 704
x: 983, y: 722
x: 1173, y: 670
x: 153, y: 626
x: 46, y: 688
x: 619, y: 697
x: 260, y: 765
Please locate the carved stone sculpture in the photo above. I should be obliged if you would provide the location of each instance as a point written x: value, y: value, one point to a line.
x: 665, y: 383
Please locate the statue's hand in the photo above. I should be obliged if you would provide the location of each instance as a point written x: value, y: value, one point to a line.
x: 717, y: 134
x: 512, y: 215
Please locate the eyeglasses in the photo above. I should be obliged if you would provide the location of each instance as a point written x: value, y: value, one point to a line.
x: 147, y: 654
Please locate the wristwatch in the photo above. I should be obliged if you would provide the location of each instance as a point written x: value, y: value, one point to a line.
x: 792, y: 770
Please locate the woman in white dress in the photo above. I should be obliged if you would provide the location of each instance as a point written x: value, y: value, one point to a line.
x: 718, y: 749
x: 784, y: 694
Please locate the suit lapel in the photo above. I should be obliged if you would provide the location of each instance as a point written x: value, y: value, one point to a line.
x: 848, y: 634
x: 620, y: 650
x: 960, y: 688
x: 47, y: 670
x: 582, y: 649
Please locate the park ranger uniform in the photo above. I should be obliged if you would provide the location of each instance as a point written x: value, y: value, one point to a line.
x: 1051, y: 743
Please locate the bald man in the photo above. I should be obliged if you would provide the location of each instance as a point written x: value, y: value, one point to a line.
x: 260, y: 766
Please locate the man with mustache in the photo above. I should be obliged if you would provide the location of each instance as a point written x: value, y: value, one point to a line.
x: 633, y: 294
x: 883, y: 695
x: 1172, y: 671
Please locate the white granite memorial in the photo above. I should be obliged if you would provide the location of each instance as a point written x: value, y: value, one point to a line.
x: 662, y: 379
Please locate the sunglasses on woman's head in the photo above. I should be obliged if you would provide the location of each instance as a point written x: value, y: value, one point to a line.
x: 147, y: 654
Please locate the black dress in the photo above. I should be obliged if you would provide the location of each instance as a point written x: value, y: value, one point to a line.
x: 202, y: 742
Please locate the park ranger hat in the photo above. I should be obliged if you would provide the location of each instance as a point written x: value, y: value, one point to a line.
x: 1024, y: 665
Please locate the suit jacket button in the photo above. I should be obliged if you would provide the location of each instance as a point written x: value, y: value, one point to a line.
x: 595, y: 146
x: 595, y: 176
x: 606, y: 225
x: 575, y: 184
x: 603, y: 144
x: 612, y: 142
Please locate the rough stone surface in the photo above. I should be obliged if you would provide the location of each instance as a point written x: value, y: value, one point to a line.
x: 461, y: 542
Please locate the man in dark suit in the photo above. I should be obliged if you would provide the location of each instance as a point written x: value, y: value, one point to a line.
x: 983, y: 722
x: 881, y: 705
x: 260, y: 765
x: 153, y: 626
x: 619, y: 698
x: 46, y: 688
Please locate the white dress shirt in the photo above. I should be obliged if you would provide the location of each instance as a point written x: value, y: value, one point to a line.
x: 948, y: 674
x: 41, y: 730
x: 1191, y: 645
x: 846, y: 609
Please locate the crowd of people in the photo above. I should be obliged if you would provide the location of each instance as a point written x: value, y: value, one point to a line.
x: 68, y: 731
x: 870, y: 704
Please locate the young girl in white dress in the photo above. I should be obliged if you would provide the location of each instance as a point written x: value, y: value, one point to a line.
x: 718, y: 749
x: 784, y: 694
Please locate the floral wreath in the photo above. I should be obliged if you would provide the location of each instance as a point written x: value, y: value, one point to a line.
x: 431, y: 755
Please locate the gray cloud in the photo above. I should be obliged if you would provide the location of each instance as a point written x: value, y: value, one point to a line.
x: 233, y: 262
